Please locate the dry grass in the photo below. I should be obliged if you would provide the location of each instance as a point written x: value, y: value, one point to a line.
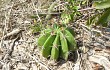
x: 18, y: 49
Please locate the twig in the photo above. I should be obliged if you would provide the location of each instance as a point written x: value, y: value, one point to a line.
x: 9, y: 53
x: 101, y: 60
x: 37, y: 61
x: 6, y: 65
x: 88, y: 29
x: 86, y: 9
x: 36, y: 11
x: 14, y: 32
x: 54, y: 13
x: 2, y: 62
x: 50, y: 10
x: 77, y: 66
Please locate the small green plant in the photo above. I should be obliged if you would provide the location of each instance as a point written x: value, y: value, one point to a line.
x: 101, y: 19
x: 57, y: 42
x: 71, y: 11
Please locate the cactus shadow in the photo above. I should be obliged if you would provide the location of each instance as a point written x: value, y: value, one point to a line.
x: 73, y: 56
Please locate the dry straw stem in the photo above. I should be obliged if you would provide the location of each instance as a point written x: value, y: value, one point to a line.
x: 51, y: 9
x: 100, y: 60
x: 37, y: 61
x: 14, y: 32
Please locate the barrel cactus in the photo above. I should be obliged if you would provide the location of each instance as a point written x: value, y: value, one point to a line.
x: 57, y: 42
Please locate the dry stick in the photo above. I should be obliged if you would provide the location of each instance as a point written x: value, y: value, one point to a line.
x: 8, y: 54
x: 86, y: 9
x: 50, y: 10
x: 37, y: 61
x: 14, y: 32
x: 95, y: 31
x: 5, y: 23
x: 7, y: 15
x: 2, y: 62
x: 3, y: 31
x: 101, y: 60
x: 55, y: 13
x: 77, y: 64
x: 36, y: 11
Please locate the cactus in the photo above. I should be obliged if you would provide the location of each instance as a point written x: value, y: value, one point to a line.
x: 57, y: 42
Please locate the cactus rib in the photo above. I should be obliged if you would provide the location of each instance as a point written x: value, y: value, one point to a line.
x: 64, y: 46
x: 55, y: 48
x: 46, y: 48
x: 44, y: 35
x: 71, y: 40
